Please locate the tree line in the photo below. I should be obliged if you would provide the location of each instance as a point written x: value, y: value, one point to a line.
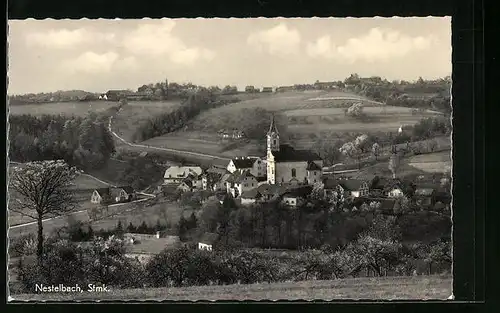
x: 375, y: 252
x: 81, y: 141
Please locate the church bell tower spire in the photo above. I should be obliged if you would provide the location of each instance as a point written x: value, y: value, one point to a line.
x: 273, y: 137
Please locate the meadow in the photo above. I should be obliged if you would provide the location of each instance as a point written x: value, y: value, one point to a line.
x: 77, y: 108
x: 131, y: 115
x: 432, y: 163
x: 373, y: 288
x: 310, y: 114
x: 83, y: 187
x: 168, y: 213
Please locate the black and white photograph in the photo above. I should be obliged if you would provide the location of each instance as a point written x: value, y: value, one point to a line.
x: 230, y: 159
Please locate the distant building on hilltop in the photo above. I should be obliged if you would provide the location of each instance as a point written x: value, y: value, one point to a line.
x: 267, y: 89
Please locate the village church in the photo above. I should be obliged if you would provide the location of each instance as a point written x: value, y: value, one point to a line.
x: 287, y: 165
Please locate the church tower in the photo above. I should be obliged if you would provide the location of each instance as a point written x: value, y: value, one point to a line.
x: 273, y: 137
x: 273, y: 144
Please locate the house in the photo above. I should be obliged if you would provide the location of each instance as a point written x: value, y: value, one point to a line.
x: 314, y: 172
x: 378, y: 186
x: 211, y: 178
x: 267, y: 89
x: 240, y: 164
x: 353, y: 188
x: 294, y: 196
x: 115, y: 95
x: 123, y: 193
x: 331, y: 187
x: 207, y: 241
x: 240, y: 182
x: 177, y: 174
x: 250, y: 196
x: 425, y: 196
x: 285, y: 88
x: 185, y: 186
x: 143, y: 247
x: 250, y: 89
x: 101, y: 195
x: 268, y: 191
x: 397, y: 188
x: 325, y: 85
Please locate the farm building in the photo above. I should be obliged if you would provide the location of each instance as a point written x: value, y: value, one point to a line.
x: 207, y: 241
x: 177, y: 174
x: 115, y: 95
x: 267, y: 89
x: 113, y: 195
x: 250, y: 89
x: 425, y: 196
x: 353, y: 188
x: 250, y: 196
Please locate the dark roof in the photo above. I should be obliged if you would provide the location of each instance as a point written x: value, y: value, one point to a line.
x: 351, y: 184
x: 217, y: 170
x: 311, y: 166
x: 385, y: 203
x: 243, y: 163
x: 238, y: 177
x: 188, y: 182
x: 261, y: 179
x: 330, y: 183
x: 301, y: 191
x: 128, y: 189
x: 272, y: 190
x: 289, y: 154
x: 424, y: 191
x: 379, y: 183
x: 251, y: 194
x: 103, y: 191
x: 209, y: 238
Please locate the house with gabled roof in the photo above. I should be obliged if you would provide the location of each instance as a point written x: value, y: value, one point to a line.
x: 353, y: 188
x: 250, y: 196
x: 113, y: 195
x: 295, y: 195
x: 177, y: 174
x: 425, y: 195
x: 240, y: 182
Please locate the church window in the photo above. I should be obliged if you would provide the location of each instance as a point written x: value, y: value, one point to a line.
x: 294, y: 172
x: 274, y: 142
x: 282, y: 180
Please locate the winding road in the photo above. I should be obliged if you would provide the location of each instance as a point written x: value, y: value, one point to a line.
x: 202, y: 155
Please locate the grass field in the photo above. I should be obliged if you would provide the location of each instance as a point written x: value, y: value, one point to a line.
x: 78, y: 108
x: 432, y: 163
x: 309, y: 114
x: 168, y: 213
x: 381, y: 288
x: 136, y: 112
x: 83, y: 187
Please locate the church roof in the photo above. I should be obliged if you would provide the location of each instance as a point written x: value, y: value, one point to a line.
x: 289, y: 154
x: 272, y: 127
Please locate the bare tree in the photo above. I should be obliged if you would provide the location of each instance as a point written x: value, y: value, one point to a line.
x: 43, y: 187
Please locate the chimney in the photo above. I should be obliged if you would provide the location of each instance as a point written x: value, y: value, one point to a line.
x: 157, y: 234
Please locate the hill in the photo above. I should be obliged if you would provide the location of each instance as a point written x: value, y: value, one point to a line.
x: 77, y: 108
x: 308, y: 115
x: 376, y: 288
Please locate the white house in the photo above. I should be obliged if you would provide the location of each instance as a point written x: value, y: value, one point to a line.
x: 177, y: 174
x: 207, y: 241
x: 238, y: 183
x: 353, y: 188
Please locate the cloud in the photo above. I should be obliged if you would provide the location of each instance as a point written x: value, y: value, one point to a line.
x: 378, y: 45
x: 158, y: 41
x: 65, y: 39
x: 277, y: 40
x: 94, y: 63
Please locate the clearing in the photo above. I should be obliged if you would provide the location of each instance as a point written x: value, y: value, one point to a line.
x: 379, y: 288
x: 77, y: 108
x: 134, y: 113
x: 439, y: 162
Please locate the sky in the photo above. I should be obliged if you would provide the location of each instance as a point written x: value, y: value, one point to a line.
x: 98, y: 55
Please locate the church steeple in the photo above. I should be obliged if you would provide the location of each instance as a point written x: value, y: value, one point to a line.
x: 273, y: 137
x: 272, y: 127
